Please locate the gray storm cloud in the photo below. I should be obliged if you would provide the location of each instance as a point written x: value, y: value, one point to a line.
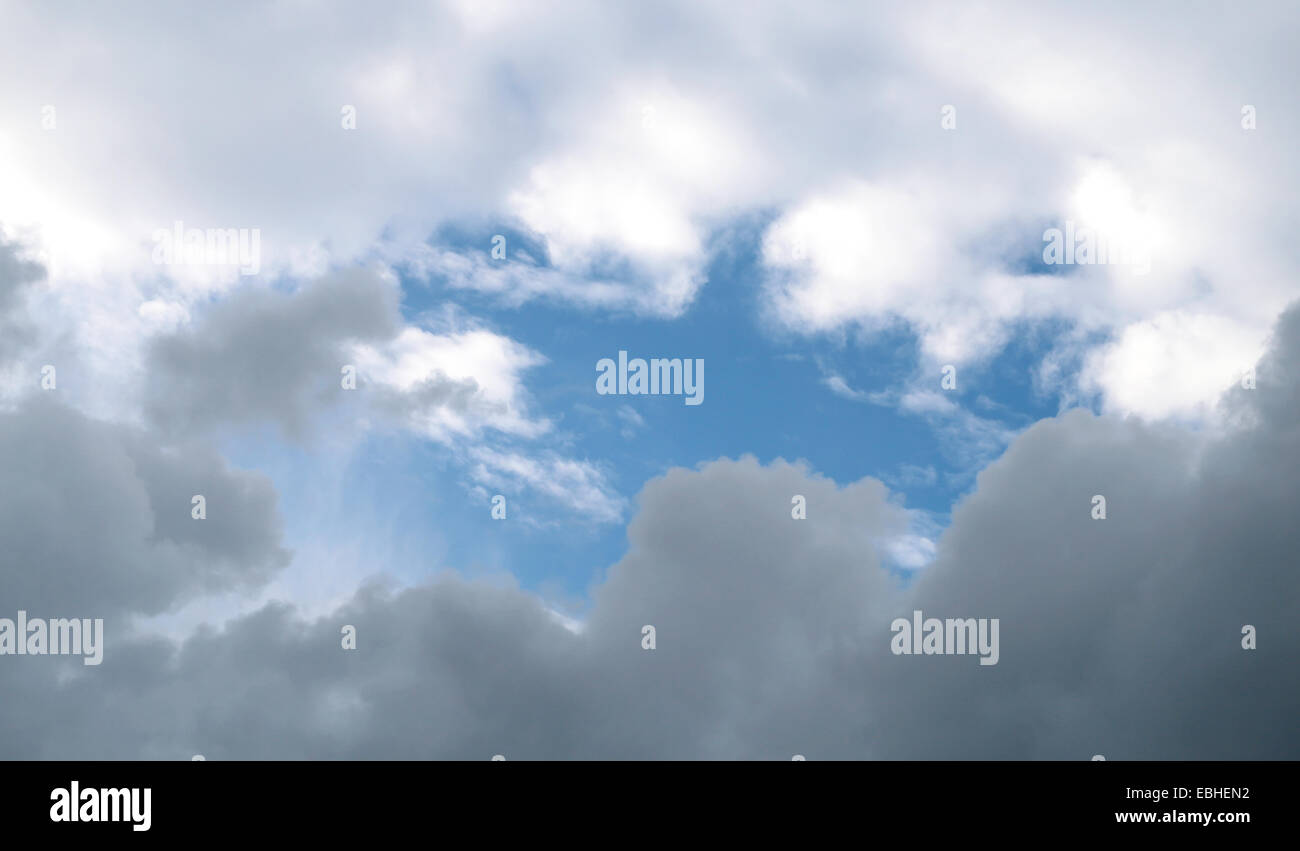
x: 95, y: 517
x: 17, y: 275
x: 1118, y: 636
x: 266, y: 355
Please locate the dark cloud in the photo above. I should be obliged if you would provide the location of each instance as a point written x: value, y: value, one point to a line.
x: 17, y: 274
x: 265, y: 356
x: 262, y: 355
x: 1123, y: 636
x: 1118, y: 636
x: 96, y: 520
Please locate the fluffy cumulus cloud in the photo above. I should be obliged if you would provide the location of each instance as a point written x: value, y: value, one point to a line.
x: 772, y: 635
x: 622, y: 142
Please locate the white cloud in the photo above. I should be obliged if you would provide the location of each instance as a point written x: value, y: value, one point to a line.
x: 1173, y: 365
x: 624, y: 155
x: 927, y: 402
x: 164, y: 315
x: 911, y: 474
x: 857, y: 251
x: 910, y: 551
x: 579, y: 485
x: 494, y: 363
x: 633, y: 421
x: 840, y: 387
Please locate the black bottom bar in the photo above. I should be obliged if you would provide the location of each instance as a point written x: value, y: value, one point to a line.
x: 605, y: 801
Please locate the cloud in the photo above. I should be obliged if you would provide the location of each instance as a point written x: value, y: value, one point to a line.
x: 633, y: 421
x: 17, y: 275
x: 623, y: 161
x: 96, y: 518
x: 640, y: 187
x: 262, y: 356
x: 935, y: 239
x: 772, y: 634
x: 912, y: 474
x: 581, y: 486
x: 840, y: 387
x: 266, y: 355
x: 967, y: 439
x: 453, y: 384
x: 523, y: 279
x: 1173, y: 365
x: 911, y: 552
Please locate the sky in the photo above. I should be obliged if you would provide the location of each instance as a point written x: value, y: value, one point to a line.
x: 947, y: 275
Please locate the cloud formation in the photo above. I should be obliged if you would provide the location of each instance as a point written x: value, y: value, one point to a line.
x: 1118, y: 636
x: 621, y: 149
x: 624, y: 159
x: 96, y: 518
x: 17, y: 275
